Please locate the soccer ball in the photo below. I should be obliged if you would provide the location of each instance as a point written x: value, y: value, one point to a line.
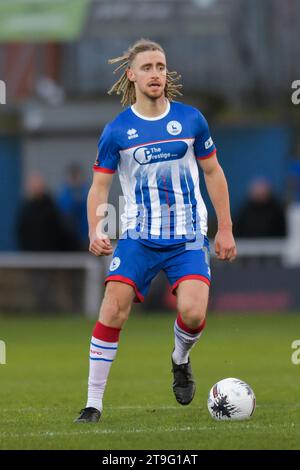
x: 231, y: 399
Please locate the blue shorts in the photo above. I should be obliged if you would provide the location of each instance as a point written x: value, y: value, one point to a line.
x: 136, y: 264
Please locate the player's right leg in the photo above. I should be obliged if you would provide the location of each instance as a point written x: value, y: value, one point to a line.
x: 114, y: 312
x: 130, y: 273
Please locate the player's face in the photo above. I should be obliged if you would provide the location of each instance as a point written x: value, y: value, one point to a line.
x: 149, y: 73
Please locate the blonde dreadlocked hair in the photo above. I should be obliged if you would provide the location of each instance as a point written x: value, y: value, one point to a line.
x: 125, y: 87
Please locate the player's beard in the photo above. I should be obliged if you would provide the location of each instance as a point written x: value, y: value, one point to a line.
x: 156, y: 96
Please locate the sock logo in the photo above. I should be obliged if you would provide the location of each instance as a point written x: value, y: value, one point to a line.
x: 96, y: 352
x: 115, y: 263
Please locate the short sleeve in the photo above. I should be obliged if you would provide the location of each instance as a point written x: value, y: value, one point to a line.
x: 108, y: 152
x: 204, y: 146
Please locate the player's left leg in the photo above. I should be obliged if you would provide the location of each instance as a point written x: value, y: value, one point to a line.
x: 192, y: 299
x: 188, y: 271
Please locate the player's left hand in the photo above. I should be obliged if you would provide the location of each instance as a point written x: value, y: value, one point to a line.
x: 225, y: 247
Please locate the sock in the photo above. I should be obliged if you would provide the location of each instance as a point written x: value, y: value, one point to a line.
x: 185, y: 338
x: 103, y: 350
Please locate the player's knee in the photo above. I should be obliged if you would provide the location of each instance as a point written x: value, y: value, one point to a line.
x: 193, y: 314
x: 113, y: 310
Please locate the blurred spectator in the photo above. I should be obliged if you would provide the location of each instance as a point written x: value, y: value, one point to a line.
x: 40, y: 226
x: 72, y: 203
x: 262, y: 215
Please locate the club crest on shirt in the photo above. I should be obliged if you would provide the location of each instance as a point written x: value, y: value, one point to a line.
x: 115, y: 263
x: 174, y: 127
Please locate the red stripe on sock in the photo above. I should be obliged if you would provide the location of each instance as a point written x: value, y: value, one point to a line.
x: 190, y: 330
x: 106, y: 333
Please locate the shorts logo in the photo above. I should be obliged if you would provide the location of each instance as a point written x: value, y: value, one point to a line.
x: 174, y: 127
x: 208, y: 143
x: 115, y: 264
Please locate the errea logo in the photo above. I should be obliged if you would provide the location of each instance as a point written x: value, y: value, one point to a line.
x: 98, y: 353
x: 132, y: 134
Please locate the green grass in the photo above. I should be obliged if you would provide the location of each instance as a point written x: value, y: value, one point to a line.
x: 43, y: 385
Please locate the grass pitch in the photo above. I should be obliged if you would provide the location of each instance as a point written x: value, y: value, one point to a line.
x: 43, y: 385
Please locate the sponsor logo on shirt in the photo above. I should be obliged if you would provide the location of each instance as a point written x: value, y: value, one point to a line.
x: 174, y: 127
x: 115, y: 263
x: 165, y: 151
x: 132, y: 134
x: 208, y: 143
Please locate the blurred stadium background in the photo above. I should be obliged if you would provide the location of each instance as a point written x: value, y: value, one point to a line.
x: 238, y: 59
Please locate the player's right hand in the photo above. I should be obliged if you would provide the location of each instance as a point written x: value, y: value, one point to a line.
x: 100, y: 245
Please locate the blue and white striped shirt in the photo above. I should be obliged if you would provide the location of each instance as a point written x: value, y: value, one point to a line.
x: 157, y: 163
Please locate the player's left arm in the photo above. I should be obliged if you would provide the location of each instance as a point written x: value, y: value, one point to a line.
x: 217, y: 188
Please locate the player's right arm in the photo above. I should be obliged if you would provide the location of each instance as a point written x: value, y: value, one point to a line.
x: 96, y: 206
